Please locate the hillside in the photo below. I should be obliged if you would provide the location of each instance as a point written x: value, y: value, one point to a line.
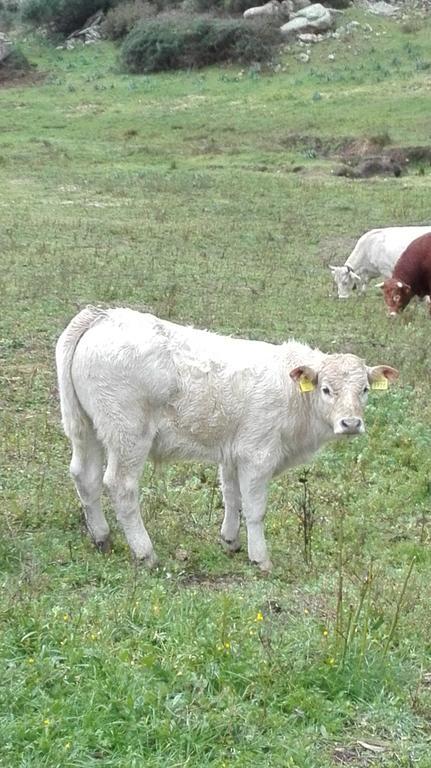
x: 209, y: 197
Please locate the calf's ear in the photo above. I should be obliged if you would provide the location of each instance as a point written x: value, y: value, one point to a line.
x: 333, y: 269
x: 305, y: 376
x: 380, y: 285
x: 381, y: 374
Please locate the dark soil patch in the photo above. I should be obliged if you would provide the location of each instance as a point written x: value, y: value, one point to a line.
x: 217, y: 582
x: 15, y: 69
x: 19, y: 79
x: 372, y: 166
x: 369, y: 156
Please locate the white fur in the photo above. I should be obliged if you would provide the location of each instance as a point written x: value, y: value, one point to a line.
x: 134, y: 387
x: 375, y: 254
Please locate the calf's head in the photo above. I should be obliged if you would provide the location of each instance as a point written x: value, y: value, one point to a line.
x: 345, y: 279
x: 340, y: 387
x: 397, y: 295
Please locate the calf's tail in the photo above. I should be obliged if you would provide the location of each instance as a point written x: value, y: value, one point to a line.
x: 73, y: 417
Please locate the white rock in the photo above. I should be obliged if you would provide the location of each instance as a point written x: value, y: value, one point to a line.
x: 314, y: 18
x: 269, y: 9
x: 309, y: 37
x: 381, y: 8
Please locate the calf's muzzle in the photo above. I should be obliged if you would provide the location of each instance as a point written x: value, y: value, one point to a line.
x: 352, y: 425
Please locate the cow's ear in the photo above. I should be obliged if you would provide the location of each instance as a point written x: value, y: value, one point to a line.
x: 405, y: 288
x: 380, y: 375
x: 305, y: 376
x: 380, y: 285
x: 333, y: 269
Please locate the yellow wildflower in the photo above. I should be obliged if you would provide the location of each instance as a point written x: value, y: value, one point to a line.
x: 259, y: 616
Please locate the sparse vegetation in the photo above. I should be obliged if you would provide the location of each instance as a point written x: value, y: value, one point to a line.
x: 175, y: 192
x: 121, y: 19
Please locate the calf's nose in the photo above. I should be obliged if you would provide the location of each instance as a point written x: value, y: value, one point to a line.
x: 351, y: 426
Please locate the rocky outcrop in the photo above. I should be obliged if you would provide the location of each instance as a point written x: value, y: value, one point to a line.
x: 313, y: 18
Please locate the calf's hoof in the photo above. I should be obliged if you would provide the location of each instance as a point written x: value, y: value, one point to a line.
x: 231, y: 545
x: 264, y: 565
x: 104, y: 546
x: 149, y: 561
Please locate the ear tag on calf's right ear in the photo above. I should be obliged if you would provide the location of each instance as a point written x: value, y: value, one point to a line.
x: 380, y: 383
x: 305, y: 384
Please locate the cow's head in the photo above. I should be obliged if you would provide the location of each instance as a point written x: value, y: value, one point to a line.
x: 397, y: 294
x: 339, y: 389
x: 345, y: 279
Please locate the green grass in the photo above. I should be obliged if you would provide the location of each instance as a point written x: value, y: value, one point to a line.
x: 174, y: 192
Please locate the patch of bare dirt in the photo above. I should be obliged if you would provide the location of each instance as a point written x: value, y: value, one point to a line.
x: 10, y: 78
x: 361, y: 754
x: 216, y: 583
x: 361, y: 157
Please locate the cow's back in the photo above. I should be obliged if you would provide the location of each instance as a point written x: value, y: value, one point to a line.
x: 378, y: 250
x: 414, y: 265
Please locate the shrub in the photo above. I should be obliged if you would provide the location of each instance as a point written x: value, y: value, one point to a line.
x: 338, y: 4
x: 64, y: 15
x: 121, y: 19
x: 179, y: 42
x: 220, y: 6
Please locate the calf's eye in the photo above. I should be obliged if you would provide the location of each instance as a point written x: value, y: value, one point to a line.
x: 326, y: 390
x: 366, y: 390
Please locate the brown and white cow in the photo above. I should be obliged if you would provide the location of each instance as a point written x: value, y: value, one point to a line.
x: 411, y: 276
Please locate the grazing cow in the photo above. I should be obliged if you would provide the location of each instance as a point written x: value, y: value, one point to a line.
x: 411, y: 276
x: 374, y: 254
x: 133, y: 386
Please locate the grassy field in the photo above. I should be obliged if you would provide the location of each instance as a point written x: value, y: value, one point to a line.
x: 176, y: 193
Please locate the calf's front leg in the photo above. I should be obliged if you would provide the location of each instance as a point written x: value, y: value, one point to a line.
x: 254, y: 494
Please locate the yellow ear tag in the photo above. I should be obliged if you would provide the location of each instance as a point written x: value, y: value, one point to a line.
x: 306, y: 385
x: 380, y: 383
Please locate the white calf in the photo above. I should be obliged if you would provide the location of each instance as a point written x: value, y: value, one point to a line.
x: 134, y: 387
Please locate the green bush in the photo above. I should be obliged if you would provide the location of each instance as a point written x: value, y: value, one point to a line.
x: 64, y: 15
x: 180, y: 42
x: 217, y: 6
x: 121, y: 19
x: 338, y: 4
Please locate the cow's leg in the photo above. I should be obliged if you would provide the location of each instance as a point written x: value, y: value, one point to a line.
x: 86, y: 469
x: 232, y: 508
x: 122, y: 481
x: 254, y: 494
x: 364, y: 283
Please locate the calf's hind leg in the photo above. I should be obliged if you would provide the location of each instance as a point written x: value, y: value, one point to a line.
x: 86, y: 469
x: 232, y: 507
x: 122, y: 481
